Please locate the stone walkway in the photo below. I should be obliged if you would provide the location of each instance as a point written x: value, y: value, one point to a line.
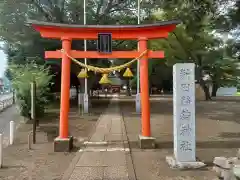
x: 106, y: 155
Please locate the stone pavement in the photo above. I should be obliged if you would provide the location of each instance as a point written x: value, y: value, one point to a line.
x: 106, y: 155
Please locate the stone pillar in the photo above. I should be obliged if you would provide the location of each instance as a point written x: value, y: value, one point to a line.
x: 80, y: 99
x: 138, y: 103
x: 85, y: 103
x: 184, y: 117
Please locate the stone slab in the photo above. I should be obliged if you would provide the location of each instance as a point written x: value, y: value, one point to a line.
x: 113, y: 137
x: 174, y: 164
x: 146, y: 142
x: 130, y: 167
x: 226, y: 163
x: 87, y: 173
x: 63, y: 145
x: 236, y: 171
x: 98, y: 136
x: 116, y: 145
x: 224, y: 174
x: 116, y: 128
x: 116, y: 173
x: 91, y: 159
x: 116, y: 158
x: 104, y: 127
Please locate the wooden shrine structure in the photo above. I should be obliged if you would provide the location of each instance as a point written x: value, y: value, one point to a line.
x: 66, y: 33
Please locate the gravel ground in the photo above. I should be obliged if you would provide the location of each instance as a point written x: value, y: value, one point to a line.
x: 217, y: 134
x: 41, y: 163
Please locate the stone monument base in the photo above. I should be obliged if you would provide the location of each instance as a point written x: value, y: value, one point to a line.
x: 146, y: 142
x: 174, y: 164
x: 63, y: 145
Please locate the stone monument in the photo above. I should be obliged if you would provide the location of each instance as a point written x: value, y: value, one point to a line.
x: 184, y: 118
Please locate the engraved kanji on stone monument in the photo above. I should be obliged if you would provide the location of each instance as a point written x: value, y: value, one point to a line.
x: 185, y: 100
x: 184, y: 112
x: 185, y: 129
x: 185, y: 146
x: 185, y: 87
x: 185, y: 73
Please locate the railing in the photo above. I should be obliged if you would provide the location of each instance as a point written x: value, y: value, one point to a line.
x: 6, y: 102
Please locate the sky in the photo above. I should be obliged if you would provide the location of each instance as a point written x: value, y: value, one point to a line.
x: 3, y: 62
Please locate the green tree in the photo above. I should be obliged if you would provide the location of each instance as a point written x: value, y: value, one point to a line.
x: 20, y: 38
x: 191, y: 42
x: 194, y: 41
x: 22, y: 76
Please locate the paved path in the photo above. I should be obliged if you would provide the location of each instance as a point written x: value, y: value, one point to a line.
x: 6, y: 115
x: 106, y: 155
x: 9, y: 114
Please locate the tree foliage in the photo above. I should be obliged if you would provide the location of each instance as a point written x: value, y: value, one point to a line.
x: 22, y: 77
x: 195, y: 41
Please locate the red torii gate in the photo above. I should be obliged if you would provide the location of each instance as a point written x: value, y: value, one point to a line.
x: 66, y: 33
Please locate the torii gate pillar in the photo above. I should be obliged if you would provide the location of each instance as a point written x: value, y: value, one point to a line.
x: 144, y: 89
x: 65, y: 86
x: 145, y: 139
x: 64, y: 142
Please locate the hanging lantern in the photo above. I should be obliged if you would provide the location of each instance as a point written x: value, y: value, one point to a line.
x: 128, y: 73
x: 83, y: 74
x: 104, y: 79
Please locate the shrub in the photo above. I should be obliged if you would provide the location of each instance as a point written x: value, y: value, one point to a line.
x: 22, y: 76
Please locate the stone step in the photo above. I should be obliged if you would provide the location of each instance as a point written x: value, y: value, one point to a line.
x: 104, y: 149
x: 95, y: 143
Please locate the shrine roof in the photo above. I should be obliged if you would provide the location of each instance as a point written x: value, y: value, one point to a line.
x: 61, y: 25
x: 74, y: 31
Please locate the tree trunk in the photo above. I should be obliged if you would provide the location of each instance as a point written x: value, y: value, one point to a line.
x: 128, y: 88
x: 200, y: 76
x: 205, y: 89
x: 214, y: 89
x: 77, y: 91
